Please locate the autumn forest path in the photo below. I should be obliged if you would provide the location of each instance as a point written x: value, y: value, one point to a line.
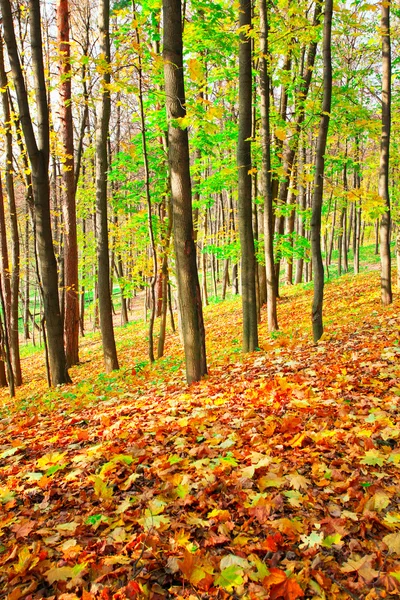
x: 275, y: 477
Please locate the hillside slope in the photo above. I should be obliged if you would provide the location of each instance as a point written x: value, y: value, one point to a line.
x: 275, y: 477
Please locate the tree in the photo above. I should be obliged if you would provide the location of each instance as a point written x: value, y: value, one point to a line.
x: 71, y: 312
x: 383, y: 185
x: 317, y: 323
x: 248, y: 270
x: 15, y: 245
x: 38, y: 151
x: 266, y: 170
x: 181, y: 192
x: 103, y: 260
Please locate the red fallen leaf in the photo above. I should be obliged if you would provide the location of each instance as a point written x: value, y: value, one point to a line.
x: 129, y: 591
x: 288, y: 590
x: 272, y: 542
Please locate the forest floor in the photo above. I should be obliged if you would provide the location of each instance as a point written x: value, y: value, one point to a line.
x: 275, y: 477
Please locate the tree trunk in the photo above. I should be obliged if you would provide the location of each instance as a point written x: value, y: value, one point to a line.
x: 103, y: 259
x: 266, y: 181
x: 15, y: 245
x: 398, y: 257
x: 71, y: 307
x: 248, y: 270
x: 318, y: 266
x: 290, y: 153
x: 383, y: 184
x: 38, y: 151
x: 148, y: 200
x: 181, y: 193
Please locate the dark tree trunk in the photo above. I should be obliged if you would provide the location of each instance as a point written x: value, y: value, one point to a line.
x: 383, y: 184
x: 103, y: 259
x: 248, y: 270
x: 178, y: 156
x: 318, y: 266
x: 38, y: 151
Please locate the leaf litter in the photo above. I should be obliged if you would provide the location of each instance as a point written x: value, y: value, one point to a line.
x: 275, y: 477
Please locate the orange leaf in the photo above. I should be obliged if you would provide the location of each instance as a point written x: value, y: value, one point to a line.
x: 276, y: 576
x: 288, y: 590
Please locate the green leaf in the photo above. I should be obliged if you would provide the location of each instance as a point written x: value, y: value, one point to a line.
x: 230, y: 577
x: 332, y: 540
x: 373, y: 458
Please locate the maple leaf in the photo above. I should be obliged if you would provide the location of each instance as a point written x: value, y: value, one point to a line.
x: 6, y: 495
x: 51, y: 459
x: 297, y: 481
x: 230, y: 577
x: 288, y: 590
x: 314, y: 539
x: 101, y: 489
x: 193, y: 568
x: 64, y: 573
x: 392, y: 541
x: 362, y: 566
x: 26, y: 560
x: 373, y: 458
x: 23, y: 529
x: 274, y: 577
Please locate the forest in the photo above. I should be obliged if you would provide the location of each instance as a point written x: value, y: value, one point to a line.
x: 199, y: 308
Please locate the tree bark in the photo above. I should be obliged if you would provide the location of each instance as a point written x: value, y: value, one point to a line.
x: 38, y: 151
x: 383, y: 184
x: 103, y: 260
x: 266, y: 181
x: 248, y: 263
x: 317, y: 323
x: 181, y: 193
x: 71, y: 311
x: 15, y: 245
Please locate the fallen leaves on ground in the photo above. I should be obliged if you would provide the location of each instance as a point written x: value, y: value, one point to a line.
x: 275, y: 477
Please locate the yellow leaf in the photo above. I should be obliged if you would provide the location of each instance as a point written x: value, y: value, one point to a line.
x: 392, y: 541
x: 280, y: 133
x: 101, y: 489
x: 53, y: 458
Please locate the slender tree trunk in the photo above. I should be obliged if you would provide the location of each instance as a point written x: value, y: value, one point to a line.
x: 71, y: 311
x: 318, y: 266
x: 204, y: 261
x: 6, y: 345
x: 148, y: 201
x: 27, y: 275
x: 248, y: 270
x: 15, y: 245
x: 398, y: 257
x: 290, y: 153
x: 266, y: 181
x: 302, y: 201
x: 383, y: 184
x: 38, y: 151
x: 165, y: 279
x: 5, y: 266
x: 103, y: 259
x: 178, y: 155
